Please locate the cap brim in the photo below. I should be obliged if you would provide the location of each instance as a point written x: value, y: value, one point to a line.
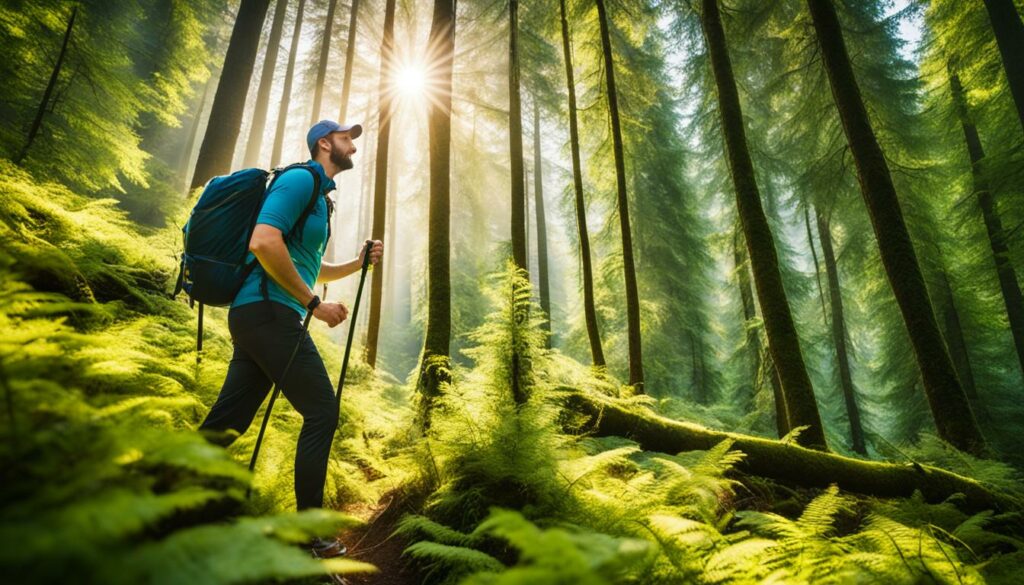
x: 354, y: 130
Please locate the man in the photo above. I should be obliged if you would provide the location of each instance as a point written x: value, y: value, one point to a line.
x: 266, y: 316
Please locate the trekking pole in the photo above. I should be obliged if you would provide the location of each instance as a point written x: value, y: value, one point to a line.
x: 352, y: 321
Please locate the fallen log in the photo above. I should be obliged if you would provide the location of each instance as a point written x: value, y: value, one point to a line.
x: 784, y: 462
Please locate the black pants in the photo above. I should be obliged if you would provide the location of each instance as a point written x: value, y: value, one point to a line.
x: 264, y: 335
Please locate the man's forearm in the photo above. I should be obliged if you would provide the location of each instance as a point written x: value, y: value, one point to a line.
x: 277, y: 262
x: 329, y: 271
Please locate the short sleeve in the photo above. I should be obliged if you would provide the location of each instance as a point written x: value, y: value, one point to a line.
x: 288, y: 197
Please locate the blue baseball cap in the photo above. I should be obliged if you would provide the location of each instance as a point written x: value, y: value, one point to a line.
x: 325, y: 127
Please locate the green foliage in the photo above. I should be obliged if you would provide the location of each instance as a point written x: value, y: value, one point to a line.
x: 103, y: 477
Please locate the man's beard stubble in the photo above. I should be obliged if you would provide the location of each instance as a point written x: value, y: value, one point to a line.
x: 341, y: 161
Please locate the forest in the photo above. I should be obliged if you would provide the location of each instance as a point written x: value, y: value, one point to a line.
x: 672, y: 291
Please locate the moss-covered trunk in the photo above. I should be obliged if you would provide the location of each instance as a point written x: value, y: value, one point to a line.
x: 783, y: 342
x: 589, y: 313
x: 229, y: 100
x: 786, y: 463
x: 380, y: 180
x: 440, y: 52
x: 636, y: 367
x: 949, y: 405
x: 838, y: 322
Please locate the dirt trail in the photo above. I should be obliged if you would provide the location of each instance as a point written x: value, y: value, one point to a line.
x: 373, y: 543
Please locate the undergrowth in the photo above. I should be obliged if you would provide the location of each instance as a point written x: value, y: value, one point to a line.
x: 102, y: 477
x: 513, y: 499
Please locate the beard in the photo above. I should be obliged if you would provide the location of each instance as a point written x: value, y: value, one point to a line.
x: 341, y: 161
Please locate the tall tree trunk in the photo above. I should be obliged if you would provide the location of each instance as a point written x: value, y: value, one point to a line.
x: 760, y: 368
x: 321, y: 71
x: 229, y: 100
x: 515, y: 141
x: 955, y: 340
x: 436, y: 360
x: 949, y: 404
x: 542, y: 230
x: 286, y: 93
x: 1009, y: 33
x: 380, y: 183
x: 839, y: 334
x: 259, y: 116
x: 589, y: 312
x: 783, y: 342
x: 37, y: 123
x: 350, y: 55
x: 190, y: 142
x: 636, y: 368
x: 817, y: 266
x: 1008, y: 284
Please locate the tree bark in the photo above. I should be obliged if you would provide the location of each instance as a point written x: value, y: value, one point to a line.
x: 1009, y: 33
x: 325, y: 55
x: 839, y: 335
x: 380, y: 183
x: 956, y: 341
x: 949, y: 405
x: 784, y: 462
x: 515, y: 141
x: 350, y: 54
x: 589, y: 312
x: 759, y: 368
x: 436, y: 361
x: 229, y: 100
x: 259, y: 116
x: 636, y: 368
x: 542, y: 230
x: 1008, y: 284
x: 817, y: 266
x: 286, y: 92
x: 37, y: 123
x: 193, y: 133
x: 783, y: 342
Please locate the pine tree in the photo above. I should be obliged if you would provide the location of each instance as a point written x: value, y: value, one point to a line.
x: 380, y: 183
x: 436, y: 361
x: 783, y: 342
x: 229, y: 100
x: 949, y: 405
x: 589, y: 312
x: 636, y: 369
x: 259, y: 116
x: 286, y: 91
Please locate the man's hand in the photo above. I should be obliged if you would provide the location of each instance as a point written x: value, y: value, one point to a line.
x: 376, y: 252
x: 331, y: 313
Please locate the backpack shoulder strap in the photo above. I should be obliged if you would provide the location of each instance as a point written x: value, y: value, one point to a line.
x: 300, y: 223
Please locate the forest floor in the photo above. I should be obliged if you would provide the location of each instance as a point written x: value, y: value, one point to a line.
x: 374, y: 543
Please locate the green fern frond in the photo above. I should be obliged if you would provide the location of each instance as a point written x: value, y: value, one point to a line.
x: 415, y: 526
x: 819, y: 516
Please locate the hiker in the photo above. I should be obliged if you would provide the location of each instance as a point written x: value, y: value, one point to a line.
x: 266, y: 317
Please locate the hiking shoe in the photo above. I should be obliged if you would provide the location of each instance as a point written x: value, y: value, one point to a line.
x: 325, y: 548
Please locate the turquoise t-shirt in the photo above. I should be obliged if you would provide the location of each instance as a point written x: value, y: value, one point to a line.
x: 288, y: 196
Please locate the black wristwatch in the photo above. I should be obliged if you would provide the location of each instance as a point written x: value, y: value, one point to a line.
x: 313, y: 304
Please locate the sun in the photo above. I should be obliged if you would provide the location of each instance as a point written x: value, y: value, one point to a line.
x: 410, y: 80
